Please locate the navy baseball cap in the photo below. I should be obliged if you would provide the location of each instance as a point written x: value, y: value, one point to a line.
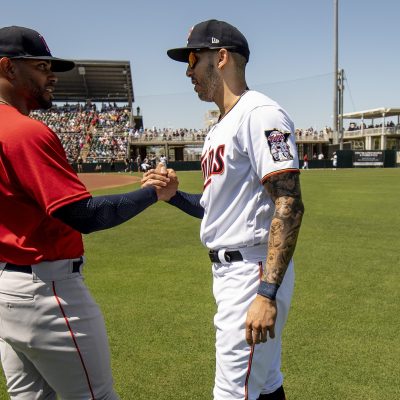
x: 212, y: 34
x: 20, y: 42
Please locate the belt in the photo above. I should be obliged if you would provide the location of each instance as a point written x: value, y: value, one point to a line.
x: 229, y: 256
x: 27, y: 269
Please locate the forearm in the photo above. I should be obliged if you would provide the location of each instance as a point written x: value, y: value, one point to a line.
x: 284, y: 230
x: 104, y: 212
x: 189, y: 203
x: 284, y: 190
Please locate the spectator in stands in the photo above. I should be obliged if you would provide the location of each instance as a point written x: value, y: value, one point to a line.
x: 334, y: 160
x: 80, y: 164
x: 112, y: 164
x: 127, y: 165
x: 305, y: 161
x: 138, y: 162
x: 132, y: 164
x: 163, y: 160
x: 98, y: 168
x: 145, y: 166
x: 152, y: 160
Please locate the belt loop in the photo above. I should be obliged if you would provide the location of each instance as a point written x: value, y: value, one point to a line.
x: 76, y: 265
x: 221, y: 256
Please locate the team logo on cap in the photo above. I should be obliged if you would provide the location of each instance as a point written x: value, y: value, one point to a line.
x: 278, y: 146
x: 189, y: 34
x: 44, y: 43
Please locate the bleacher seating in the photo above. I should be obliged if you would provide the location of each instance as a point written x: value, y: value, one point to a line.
x: 99, y: 136
x: 105, y: 134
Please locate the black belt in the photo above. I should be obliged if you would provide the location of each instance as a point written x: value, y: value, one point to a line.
x: 27, y: 269
x: 229, y: 256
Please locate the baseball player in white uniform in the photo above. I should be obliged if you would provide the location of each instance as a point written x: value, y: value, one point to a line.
x: 251, y: 212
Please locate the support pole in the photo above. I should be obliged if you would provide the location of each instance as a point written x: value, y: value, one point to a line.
x: 341, y: 90
x: 335, y: 70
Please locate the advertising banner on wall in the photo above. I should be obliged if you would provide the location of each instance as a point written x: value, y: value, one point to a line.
x: 368, y: 158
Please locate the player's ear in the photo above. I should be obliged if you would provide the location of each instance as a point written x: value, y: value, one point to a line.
x: 7, y: 68
x: 223, y: 56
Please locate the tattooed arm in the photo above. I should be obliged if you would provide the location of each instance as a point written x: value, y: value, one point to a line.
x: 284, y: 190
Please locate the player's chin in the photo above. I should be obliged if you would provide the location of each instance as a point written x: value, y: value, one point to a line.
x: 46, y: 102
x: 204, y: 97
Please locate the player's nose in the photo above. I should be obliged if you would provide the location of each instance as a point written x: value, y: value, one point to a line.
x: 52, y: 78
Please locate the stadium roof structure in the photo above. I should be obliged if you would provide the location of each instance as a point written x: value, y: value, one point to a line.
x: 372, y: 114
x: 97, y: 81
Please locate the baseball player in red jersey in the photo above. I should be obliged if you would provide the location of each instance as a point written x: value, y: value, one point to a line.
x: 52, y: 334
x: 251, y: 212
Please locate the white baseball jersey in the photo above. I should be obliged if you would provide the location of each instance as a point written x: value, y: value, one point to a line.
x: 252, y: 142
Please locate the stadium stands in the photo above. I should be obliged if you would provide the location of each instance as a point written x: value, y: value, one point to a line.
x: 99, y: 136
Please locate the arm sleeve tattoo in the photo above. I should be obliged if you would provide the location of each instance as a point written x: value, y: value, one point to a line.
x: 284, y: 190
x: 103, y: 212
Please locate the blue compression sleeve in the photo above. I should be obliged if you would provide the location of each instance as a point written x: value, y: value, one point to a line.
x: 189, y: 203
x: 103, y: 212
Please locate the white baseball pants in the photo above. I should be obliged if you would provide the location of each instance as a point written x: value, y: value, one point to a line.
x: 52, y: 336
x: 243, y: 372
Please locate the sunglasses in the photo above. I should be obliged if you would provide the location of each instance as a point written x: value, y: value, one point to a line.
x: 192, y: 60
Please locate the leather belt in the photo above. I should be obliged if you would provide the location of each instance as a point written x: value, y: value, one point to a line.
x: 27, y: 269
x: 229, y: 256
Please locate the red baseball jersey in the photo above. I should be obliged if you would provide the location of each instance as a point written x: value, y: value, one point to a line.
x: 35, y: 181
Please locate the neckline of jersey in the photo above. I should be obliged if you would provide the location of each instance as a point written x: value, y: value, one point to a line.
x: 234, y: 105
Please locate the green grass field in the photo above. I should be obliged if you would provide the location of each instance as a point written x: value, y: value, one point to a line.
x: 152, y: 279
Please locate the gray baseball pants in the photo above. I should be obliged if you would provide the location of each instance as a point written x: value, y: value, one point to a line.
x: 52, y: 335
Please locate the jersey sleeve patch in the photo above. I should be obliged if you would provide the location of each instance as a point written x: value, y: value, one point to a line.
x: 278, y: 145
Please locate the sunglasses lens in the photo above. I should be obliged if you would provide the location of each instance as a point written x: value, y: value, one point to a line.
x: 192, y: 60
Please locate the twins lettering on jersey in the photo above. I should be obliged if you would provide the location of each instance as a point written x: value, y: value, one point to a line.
x: 278, y: 146
x: 212, y: 163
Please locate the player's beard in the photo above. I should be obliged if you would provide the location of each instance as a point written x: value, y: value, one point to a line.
x: 39, y: 98
x: 210, y: 83
x: 44, y: 101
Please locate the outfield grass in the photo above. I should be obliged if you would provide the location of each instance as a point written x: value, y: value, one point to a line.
x: 152, y: 279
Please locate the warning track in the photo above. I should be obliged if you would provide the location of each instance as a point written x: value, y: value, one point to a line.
x: 95, y: 181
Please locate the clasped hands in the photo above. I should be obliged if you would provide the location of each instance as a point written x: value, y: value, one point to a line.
x: 164, y: 181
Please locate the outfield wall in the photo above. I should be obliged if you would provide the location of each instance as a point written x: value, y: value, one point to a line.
x: 120, y: 166
x: 346, y: 159
x: 367, y: 158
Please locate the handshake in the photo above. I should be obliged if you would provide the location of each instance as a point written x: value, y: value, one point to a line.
x: 164, y: 181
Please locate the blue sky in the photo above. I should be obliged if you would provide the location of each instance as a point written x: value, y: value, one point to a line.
x: 291, y: 44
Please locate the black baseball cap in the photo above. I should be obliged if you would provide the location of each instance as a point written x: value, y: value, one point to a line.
x: 20, y: 42
x: 212, y: 34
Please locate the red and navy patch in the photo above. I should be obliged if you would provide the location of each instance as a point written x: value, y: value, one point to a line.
x: 278, y: 145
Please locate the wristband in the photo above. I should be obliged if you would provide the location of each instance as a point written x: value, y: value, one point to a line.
x: 268, y: 290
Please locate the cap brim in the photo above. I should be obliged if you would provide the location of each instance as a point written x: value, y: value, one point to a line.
x: 182, y: 54
x: 57, y: 64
